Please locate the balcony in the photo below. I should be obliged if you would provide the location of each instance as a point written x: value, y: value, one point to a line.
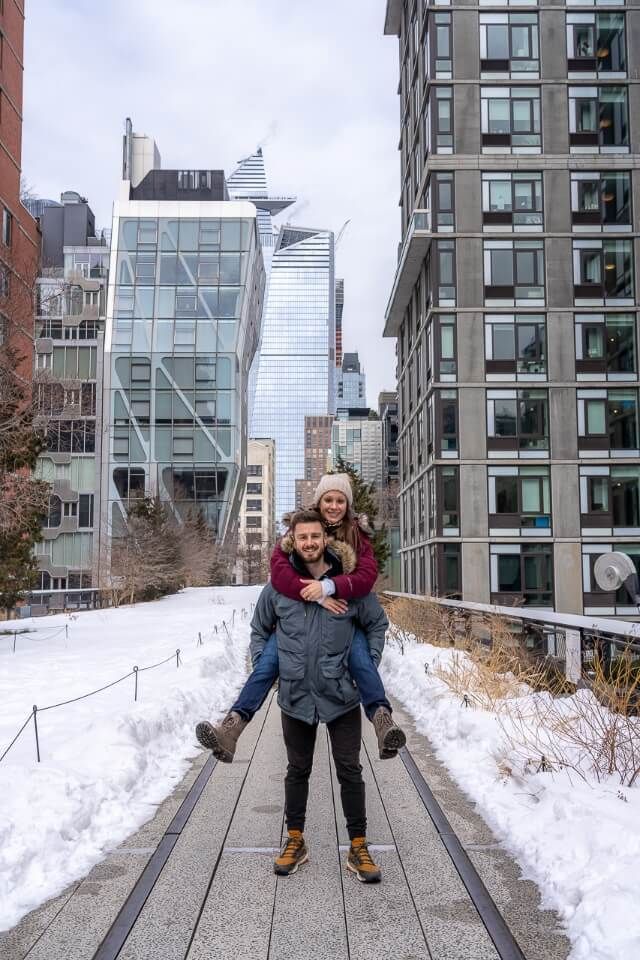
x: 410, y: 259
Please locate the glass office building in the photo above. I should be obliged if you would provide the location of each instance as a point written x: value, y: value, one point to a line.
x: 296, y: 366
x: 183, y: 316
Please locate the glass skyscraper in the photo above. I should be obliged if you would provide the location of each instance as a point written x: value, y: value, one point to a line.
x: 296, y: 366
x: 183, y: 315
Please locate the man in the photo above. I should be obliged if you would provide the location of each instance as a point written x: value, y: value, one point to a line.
x: 315, y: 686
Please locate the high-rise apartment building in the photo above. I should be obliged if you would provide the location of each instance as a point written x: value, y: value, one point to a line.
x: 514, y: 302
x: 388, y: 413
x: 351, y: 386
x: 183, y: 317
x: 296, y: 367
x: 317, y: 457
x: 257, y: 520
x: 339, y: 312
x: 70, y: 308
x: 357, y: 440
x: 19, y: 239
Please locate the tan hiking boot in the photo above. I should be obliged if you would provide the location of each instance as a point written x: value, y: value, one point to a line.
x: 360, y: 862
x: 294, y: 853
x: 222, y: 739
x: 390, y: 736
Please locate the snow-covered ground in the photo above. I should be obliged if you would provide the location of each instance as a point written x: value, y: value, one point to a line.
x: 579, y: 841
x: 107, y: 761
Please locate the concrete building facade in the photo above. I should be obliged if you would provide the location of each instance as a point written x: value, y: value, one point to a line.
x: 388, y: 413
x: 257, y: 519
x: 515, y: 299
x: 317, y: 457
x: 70, y: 320
x: 183, y: 318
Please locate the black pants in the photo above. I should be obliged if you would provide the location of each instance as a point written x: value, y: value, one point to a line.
x: 345, y: 733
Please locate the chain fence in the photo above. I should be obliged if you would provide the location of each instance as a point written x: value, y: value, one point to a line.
x: 134, y: 672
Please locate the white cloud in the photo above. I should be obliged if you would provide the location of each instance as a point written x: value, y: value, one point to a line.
x: 210, y: 79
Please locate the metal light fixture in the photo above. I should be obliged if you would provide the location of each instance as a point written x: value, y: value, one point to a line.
x: 602, y: 53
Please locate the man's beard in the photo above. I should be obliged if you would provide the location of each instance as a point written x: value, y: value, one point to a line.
x: 310, y: 557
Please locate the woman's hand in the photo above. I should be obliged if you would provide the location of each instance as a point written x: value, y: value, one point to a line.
x: 312, y: 591
x: 335, y: 606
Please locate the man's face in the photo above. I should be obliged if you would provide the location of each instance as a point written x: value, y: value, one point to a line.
x: 309, y: 541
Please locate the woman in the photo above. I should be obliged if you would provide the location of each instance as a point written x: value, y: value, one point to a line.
x: 349, y: 538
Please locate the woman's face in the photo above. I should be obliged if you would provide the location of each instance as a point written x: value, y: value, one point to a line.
x: 333, y: 506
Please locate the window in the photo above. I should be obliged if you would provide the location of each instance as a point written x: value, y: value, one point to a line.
x: 596, y: 600
x: 448, y: 496
x: 603, y: 271
x: 140, y: 371
x: 71, y: 436
x: 4, y: 281
x: 512, y: 201
x: 524, y: 571
x: 70, y: 509
x: 601, y: 200
x: 517, y: 420
x: 445, y: 570
x: 596, y: 45
x: 7, y: 227
x: 509, y: 45
x: 515, y: 345
x: 254, y: 469
x: 514, y: 272
x: 200, y: 485
x: 254, y: 522
x: 441, y: 348
x: 610, y: 500
x: 254, y: 488
x: 519, y: 500
x: 147, y: 232
x: 121, y: 445
x: 598, y: 119
x: 85, y: 510
x: 510, y: 119
x: 440, y: 200
x: 442, y: 413
x: 438, y: 48
x: 54, y: 513
x: 438, y: 121
x: 129, y: 482
x: 608, y: 422
x: 254, y: 505
x: 183, y: 446
x: 205, y: 371
x: 605, y: 346
x: 146, y: 266
x: 445, y: 264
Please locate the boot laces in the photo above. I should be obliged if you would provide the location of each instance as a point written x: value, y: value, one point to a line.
x: 230, y: 720
x: 384, y: 719
x: 291, y: 846
x: 361, y: 851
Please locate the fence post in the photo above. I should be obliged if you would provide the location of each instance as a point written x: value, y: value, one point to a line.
x: 15, y: 634
x: 233, y: 616
x: 178, y: 657
x: 199, y: 639
x: 135, y: 688
x: 35, y: 727
x: 66, y: 631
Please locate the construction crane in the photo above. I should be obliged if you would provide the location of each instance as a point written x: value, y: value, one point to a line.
x: 341, y: 233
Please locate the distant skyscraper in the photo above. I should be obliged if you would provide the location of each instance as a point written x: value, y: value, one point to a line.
x: 295, y: 375
x: 339, y: 311
x: 351, y: 389
x: 249, y: 182
x: 183, y: 317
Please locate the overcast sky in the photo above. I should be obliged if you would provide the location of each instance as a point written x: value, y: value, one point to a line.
x: 210, y: 80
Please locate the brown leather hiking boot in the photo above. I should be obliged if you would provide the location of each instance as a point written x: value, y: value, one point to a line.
x: 360, y: 862
x: 222, y: 739
x: 293, y: 854
x: 390, y: 736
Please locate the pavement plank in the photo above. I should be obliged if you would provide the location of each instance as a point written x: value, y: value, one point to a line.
x: 308, y: 919
x: 168, y: 918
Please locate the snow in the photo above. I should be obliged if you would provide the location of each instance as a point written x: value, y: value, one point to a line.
x: 577, y: 839
x: 107, y: 761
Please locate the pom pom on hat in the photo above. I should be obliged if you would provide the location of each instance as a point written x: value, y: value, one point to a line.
x: 334, y: 481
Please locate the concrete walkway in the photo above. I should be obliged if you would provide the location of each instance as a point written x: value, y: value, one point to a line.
x: 217, y: 896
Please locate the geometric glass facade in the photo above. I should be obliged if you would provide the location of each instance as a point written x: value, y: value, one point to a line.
x: 182, y: 295
x: 296, y: 366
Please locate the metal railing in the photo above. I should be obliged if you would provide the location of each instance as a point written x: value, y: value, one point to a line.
x: 571, y: 639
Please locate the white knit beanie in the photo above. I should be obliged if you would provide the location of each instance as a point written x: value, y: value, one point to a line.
x: 334, y: 481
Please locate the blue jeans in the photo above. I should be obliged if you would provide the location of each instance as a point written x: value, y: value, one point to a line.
x: 361, y: 667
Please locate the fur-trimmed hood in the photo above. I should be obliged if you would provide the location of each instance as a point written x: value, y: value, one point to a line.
x: 361, y: 519
x: 345, y: 554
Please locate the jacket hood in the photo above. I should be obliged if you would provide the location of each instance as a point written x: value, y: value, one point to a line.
x: 345, y: 554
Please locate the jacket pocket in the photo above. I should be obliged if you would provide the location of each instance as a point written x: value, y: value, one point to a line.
x: 291, y: 667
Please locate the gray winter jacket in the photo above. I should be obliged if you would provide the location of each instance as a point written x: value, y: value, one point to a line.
x: 313, y: 649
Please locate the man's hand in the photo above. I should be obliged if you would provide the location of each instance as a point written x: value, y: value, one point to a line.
x: 312, y: 591
x: 335, y: 606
